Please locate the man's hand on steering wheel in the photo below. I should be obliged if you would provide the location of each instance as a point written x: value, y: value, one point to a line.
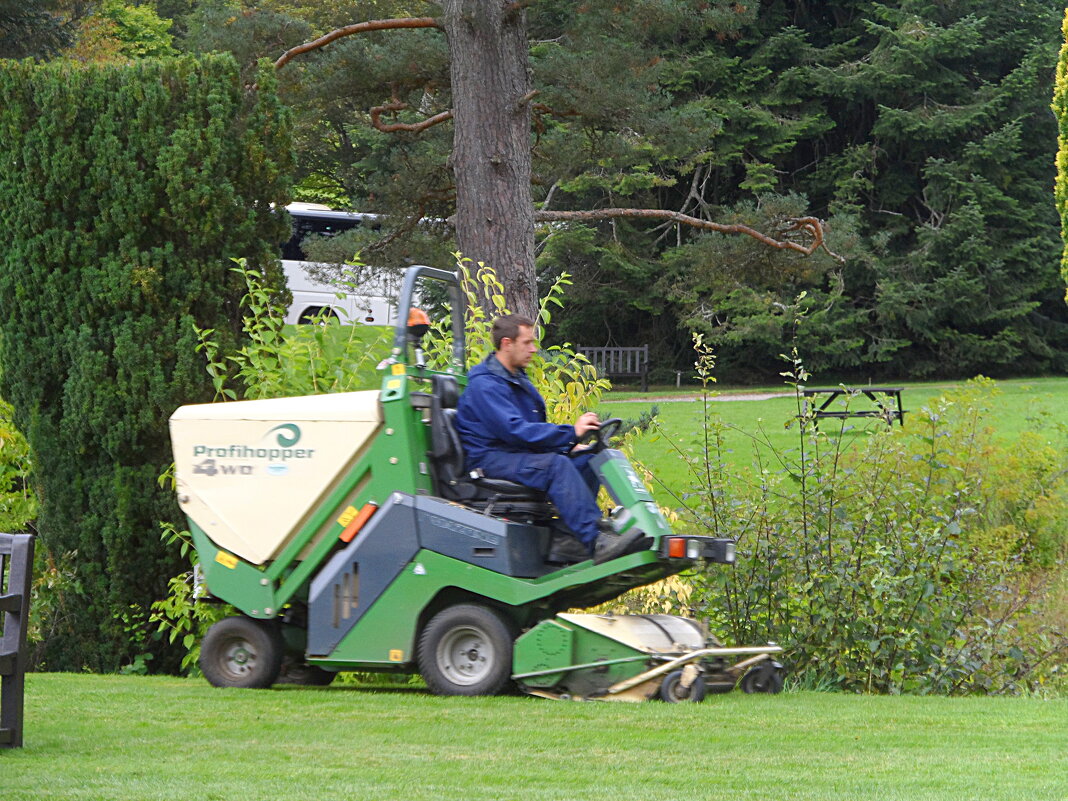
x: 600, y: 435
x: 585, y: 424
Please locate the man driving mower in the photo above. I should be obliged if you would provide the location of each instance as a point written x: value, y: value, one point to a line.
x: 501, y: 422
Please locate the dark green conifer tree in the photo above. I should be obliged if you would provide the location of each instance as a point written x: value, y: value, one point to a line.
x: 124, y: 192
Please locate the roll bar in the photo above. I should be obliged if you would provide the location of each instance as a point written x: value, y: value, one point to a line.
x: 457, y: 303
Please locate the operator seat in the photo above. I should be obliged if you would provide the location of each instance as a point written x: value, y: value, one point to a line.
x: 493, y: 495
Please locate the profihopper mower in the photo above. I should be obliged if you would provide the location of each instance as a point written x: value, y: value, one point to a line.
x: 348, y: 535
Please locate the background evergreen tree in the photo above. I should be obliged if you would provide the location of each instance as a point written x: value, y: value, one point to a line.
x: 919, y: 130
x: 32, y: 28
x: 124, y: 192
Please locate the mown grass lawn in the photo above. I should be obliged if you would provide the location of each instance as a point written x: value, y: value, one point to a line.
x: 118, y: 738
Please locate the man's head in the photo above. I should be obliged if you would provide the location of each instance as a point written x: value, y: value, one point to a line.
x: 513, y: 337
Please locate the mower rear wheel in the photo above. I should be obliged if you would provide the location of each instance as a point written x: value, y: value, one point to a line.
x: 466, y: 650
x: 673, y: 691
x: 764, y: 678
x: 241, y: 652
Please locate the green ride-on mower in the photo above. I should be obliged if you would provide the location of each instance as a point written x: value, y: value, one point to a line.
x: 348, y: 535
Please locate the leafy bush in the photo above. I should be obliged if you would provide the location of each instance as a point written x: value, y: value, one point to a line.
x: 278, y: 361
x: 18, y: 502
x: 907, y: 560
x: 1060, y: 111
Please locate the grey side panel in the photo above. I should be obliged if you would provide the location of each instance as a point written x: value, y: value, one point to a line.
x: 514, y: 549
x: 343, y: 590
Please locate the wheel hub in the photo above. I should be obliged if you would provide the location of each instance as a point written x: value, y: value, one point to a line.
x: 240, y: 659
x: 465, y: 655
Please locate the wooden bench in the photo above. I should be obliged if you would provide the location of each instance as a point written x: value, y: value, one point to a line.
x: 16, y: 568
x: 886, y: 403
x: 618, y: 362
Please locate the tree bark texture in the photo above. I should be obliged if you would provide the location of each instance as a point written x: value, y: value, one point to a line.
x: 491, y: 150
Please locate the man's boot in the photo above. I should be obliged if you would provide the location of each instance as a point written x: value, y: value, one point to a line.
x: 566, y: 550
x: 610, y: 545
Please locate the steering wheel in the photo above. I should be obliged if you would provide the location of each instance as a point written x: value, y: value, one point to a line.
x: 601, y: 436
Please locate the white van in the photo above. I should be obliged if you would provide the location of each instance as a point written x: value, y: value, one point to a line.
x: 311, y: 297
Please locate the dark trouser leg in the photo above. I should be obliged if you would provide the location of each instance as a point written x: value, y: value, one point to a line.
x: 581, y: 461
x: 568, y: 485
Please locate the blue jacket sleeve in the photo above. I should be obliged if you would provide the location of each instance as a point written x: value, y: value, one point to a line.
x: 493, y: 404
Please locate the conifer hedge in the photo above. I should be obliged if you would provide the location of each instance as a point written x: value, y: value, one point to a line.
x: 124, y: 192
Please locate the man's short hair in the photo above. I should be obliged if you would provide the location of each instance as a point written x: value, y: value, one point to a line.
x: 508, y: 326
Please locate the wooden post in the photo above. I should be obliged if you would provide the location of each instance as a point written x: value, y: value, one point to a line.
x: 17, y: 550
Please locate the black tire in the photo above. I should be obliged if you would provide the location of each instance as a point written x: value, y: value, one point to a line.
x: 762, y: 679
x: 672, y: 691
x: 297, y: 671
x: 317, y: 314
x: 466, y: 650
x: 241, y: 652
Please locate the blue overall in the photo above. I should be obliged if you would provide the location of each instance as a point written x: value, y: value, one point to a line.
x: 501, y: 422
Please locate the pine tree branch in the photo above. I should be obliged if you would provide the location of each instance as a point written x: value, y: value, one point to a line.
x: 359, y: 27
x: 414, y: 127
x: 811, y: 226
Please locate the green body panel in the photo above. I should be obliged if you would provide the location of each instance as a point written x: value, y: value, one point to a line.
x: 628, y: 490
x: 232, y: 579
x: 387, y: 632
x: 548, y: 645
x: 561, y: 644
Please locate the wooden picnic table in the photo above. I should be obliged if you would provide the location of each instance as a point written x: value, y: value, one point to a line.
x: 885, y: 400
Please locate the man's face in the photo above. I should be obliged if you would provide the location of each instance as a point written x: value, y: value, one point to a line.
x: 519, y: 351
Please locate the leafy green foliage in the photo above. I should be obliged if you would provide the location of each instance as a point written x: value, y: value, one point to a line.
x: 920, y: 132
x: 1060, y: 109
x: 123, y: 193
x: 278, y: 360
x: 18, y: 503
x: 566, y: 379
x: 32, y: 29
x: 917, y: 130
x: 913, y: 560
x: 117, y: 31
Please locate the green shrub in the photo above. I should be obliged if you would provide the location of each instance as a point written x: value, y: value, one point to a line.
x: 903, y: 560
x: 123, y: 191
x: 18, y: 503
x: 278, y: 361
x: 1060, y: 110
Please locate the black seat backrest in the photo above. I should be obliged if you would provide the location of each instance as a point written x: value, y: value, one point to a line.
x: 446, y: 451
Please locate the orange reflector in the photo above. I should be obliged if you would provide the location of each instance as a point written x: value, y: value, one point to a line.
x: 677, y: 547
x: 353, y: 528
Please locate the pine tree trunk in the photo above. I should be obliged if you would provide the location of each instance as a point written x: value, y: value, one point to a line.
x: 491, y: 150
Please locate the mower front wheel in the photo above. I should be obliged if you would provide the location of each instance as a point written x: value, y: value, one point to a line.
x: 241, y: 652
x: 764, y: 678
x: 673, y: 691
x: 466, y: 650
